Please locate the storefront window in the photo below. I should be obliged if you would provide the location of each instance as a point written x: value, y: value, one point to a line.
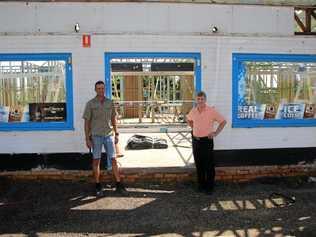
x: 35, y: 92
x: 274, y: 90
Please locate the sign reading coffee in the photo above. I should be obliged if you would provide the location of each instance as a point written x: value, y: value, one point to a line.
x: 274, y: 111
x: 250, y: 112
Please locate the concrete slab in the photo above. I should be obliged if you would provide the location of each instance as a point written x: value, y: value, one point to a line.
x: 178, y: 153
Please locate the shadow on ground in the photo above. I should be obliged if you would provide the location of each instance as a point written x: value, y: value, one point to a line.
x: 55, y: 208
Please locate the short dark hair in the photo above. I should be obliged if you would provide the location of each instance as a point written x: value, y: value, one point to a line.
x: 98, y: 83
x: 201, y: 93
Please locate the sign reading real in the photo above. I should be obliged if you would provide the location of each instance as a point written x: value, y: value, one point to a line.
x: 248, y: 112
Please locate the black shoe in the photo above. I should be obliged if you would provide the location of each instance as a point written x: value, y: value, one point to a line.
x: 201, y: 188
x: 208, y: 191
x: 98, y: 190
x: 99, y: 193
x: 120, y: 188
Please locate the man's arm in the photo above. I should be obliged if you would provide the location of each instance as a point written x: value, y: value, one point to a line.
x: 189, y: 119
x: 114, y: 126
x: 220, y: 127
x: 114, y: 121
x: 190, y: 123
x: 87, y: 132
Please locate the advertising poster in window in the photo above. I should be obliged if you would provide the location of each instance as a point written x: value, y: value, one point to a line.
x: 276, y: 91
x: 14, y: 113
x: 4, y: 114
x: 47, y: 112
x: 274, y: 111
x: 34, y: 90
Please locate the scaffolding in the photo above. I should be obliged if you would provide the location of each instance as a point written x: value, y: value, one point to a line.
x: 161, y: 99
x: 275, y: 83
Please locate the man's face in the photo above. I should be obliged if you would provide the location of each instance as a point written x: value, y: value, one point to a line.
x: 200, y: 101
x: 99, y: 89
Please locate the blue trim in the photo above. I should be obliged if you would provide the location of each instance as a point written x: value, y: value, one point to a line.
x: 237, y: 61
x: 45, y: 126
x: 111, y: 55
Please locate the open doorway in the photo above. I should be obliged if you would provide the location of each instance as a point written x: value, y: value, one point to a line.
x: 153, y: 92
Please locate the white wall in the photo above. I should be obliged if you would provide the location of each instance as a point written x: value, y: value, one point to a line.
x: 167, y: 18
x: 88, y: 67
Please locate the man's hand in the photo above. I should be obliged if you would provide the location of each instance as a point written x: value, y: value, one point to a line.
x: 89, y: 143
x: 218, y: 130
x: 116, y: 138
x: 211, y: 135
x: 190, y: 123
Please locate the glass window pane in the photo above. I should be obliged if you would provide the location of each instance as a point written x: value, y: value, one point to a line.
x: 278, y: 92
x: 32, y: 91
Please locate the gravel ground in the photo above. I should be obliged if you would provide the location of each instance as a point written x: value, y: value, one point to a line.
x: 56, y: 208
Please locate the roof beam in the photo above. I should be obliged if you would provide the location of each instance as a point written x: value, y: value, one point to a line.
x: 294, y: 3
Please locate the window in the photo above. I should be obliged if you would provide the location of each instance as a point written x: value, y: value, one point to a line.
x: 35, y: 92
x: 152, y: 90
x: 274, y: 90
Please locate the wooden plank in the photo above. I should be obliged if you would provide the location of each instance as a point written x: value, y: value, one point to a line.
x: 295, y: 3
x: 140, y: 97
x: 313, y: 13
x: 300, y: 23
x: 308, y: 20
x: 130, y: 94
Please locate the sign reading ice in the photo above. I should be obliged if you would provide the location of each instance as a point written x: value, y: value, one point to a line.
x: 291, y: 111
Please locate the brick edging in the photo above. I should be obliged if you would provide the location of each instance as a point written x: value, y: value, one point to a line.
x: 169, y: 174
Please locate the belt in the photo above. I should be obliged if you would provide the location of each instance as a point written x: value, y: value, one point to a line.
x: 201, y: 138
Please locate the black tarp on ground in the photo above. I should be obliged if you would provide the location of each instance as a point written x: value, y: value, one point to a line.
x: 139, y: 142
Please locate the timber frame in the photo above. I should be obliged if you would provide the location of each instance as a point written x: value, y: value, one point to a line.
x: 306, y: 27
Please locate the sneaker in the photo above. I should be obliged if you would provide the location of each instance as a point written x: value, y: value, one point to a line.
x: 120, y: 188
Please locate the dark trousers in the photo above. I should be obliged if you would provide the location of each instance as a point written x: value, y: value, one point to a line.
x: 203, y: 157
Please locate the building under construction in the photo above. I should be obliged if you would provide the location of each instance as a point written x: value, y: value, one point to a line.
x: 256, y: 63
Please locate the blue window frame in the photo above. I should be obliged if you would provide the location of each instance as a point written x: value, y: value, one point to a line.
x: 122, y: 55
x: 36, y: 92
x: 273, y: 90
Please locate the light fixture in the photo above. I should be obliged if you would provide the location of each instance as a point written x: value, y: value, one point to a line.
x: 77, y: 27
x: 214, y: 29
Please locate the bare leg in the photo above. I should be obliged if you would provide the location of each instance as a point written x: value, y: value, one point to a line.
x: 115, y: 170
x: 118, y: 151
x: 96, y: 169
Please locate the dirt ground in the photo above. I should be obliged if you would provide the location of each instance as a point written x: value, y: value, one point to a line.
x: 56, y: 208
